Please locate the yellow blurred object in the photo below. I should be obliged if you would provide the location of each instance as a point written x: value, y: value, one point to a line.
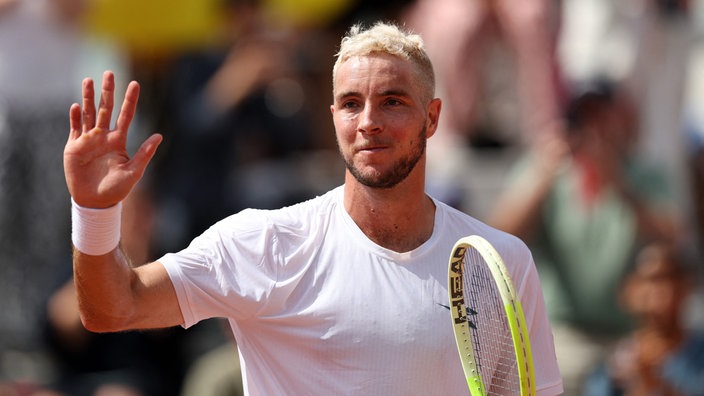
x: 164, y: 26
x: 156, y: 25
x: 307, y: 13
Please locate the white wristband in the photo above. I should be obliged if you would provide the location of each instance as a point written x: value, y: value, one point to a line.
x: 95, y: 231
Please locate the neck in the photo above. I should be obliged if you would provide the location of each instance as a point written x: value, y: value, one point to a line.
x: 658, y: 343
x: 665, y: 328
x: 399, y: 218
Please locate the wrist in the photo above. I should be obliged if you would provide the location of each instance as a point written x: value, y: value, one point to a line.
x: 95, y: 231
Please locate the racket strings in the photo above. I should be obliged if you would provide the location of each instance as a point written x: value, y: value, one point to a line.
x: 489, y: 328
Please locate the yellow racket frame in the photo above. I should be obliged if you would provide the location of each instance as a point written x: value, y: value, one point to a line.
x: 514, y: 314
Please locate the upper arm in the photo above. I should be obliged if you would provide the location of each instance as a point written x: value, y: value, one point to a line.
x: 113, y: 296
x: 155, y: 301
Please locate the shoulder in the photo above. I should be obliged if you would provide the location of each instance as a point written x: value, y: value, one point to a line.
x: 463, y: 224
x: 684, y: 369
x: 694, y: 346
x: 455, y: 224
x: 648, y: 178
x: 289, y: 216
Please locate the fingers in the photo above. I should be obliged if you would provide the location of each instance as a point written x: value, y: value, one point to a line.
x: 129, y: 107
x: 74, y: 116
x: 146, y: 151
x: 84, y: 118
x: 102, y: 119
x: 88, y: 105
x: 106, y: 101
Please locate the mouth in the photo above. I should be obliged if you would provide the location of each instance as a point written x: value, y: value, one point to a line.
x: 372, y: 148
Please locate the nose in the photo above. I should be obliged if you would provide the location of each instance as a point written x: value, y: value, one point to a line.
x: 369, y: 121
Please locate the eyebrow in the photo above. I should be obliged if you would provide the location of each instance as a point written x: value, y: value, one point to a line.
x: 395, y: 92
x: 347, y: 94
x: 389, y: 92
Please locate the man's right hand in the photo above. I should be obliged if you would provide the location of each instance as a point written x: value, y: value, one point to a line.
x: 99, y: 172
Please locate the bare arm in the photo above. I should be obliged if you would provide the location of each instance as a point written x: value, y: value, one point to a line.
x: 112, y: 296
x: 531, y: 28
x: 517, y: 209
x: 112, y: 293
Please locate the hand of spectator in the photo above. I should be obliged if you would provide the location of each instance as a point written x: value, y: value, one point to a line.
x: 550, y: 150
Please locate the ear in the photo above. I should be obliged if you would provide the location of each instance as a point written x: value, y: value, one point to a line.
x: 433, y: 118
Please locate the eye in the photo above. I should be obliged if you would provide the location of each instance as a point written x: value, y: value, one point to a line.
x: 393, y: 102
x: 349, y: 105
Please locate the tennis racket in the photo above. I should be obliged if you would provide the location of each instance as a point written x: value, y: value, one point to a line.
x: 488, y: 321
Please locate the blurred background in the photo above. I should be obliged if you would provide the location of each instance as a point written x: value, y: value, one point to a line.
x: 576, y: 124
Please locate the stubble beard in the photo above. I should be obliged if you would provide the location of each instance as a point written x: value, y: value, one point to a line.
x: 398, y: 173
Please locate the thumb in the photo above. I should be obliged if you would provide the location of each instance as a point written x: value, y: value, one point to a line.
x: 146, y: 152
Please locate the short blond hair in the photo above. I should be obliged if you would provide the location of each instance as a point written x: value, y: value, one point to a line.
x: 387, y: 38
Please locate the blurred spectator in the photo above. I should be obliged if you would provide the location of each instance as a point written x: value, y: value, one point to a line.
x: 43, y: 57
x: 460, y: 35
x: 651, y: 47
x: 215, y: 373
x: 585, y: 204
x: 660, y: 356
x: 500, y: 83
x: 235, y: 118
x: 698, y: 187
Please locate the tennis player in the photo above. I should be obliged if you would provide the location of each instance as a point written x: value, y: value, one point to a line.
x: 344, y: 294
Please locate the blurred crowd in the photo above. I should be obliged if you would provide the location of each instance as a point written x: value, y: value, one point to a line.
x: 577, y: 125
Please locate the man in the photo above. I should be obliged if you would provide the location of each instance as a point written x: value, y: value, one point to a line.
x: 341, y: 294
x: 585, y: 202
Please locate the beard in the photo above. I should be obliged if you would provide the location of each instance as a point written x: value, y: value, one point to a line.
x: 398, y: 172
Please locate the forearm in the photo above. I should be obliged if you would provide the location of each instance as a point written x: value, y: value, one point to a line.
x: 113, y: 295
x: 104, y: 290
x: 518, y: 209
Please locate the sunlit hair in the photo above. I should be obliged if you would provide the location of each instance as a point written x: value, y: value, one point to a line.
x: 389, y: 39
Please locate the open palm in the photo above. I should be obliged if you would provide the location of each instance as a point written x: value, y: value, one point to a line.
x: 99, y: 172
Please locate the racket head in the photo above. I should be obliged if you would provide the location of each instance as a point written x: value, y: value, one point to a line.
x: 488, y: 321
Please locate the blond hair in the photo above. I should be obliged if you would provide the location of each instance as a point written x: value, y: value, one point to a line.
x: 389, y: 39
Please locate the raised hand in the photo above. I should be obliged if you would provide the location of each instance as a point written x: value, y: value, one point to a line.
x: 99, y: 172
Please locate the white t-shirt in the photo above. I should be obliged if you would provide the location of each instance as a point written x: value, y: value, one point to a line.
x: 319, y: 309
